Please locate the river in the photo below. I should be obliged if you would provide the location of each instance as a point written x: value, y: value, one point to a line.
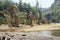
x: 41, y: 35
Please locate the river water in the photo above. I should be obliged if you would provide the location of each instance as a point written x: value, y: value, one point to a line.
x: 41, y: 35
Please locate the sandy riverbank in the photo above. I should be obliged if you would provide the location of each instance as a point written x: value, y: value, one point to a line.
x: 27, y: 28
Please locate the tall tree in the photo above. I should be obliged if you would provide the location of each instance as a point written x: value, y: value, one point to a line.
x: 20, y: 5
x: 37, y: 5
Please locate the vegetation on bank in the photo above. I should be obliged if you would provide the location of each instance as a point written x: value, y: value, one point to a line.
x: 23, y: 8
x: 52, y: 14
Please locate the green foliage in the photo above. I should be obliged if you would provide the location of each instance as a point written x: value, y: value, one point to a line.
x: 23, y: 7
x: 54, y: 12
x: 2, y: 20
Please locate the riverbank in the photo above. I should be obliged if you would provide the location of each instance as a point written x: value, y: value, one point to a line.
x: 28, y: 28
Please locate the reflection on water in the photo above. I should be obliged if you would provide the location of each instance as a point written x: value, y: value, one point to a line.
x: 51, y: 33
x: 46, y: 33
x: 56, y: 33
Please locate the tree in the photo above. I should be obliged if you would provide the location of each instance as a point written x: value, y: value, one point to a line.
x: 20, y: 5
x: 37, y: 5
x: 6, y: 3
x: 27, y: 7
x: 13, y: 15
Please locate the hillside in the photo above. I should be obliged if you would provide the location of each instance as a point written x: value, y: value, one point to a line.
x: 53, y: 13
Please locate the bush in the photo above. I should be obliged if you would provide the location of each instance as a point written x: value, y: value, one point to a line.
x: 3, y: 20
